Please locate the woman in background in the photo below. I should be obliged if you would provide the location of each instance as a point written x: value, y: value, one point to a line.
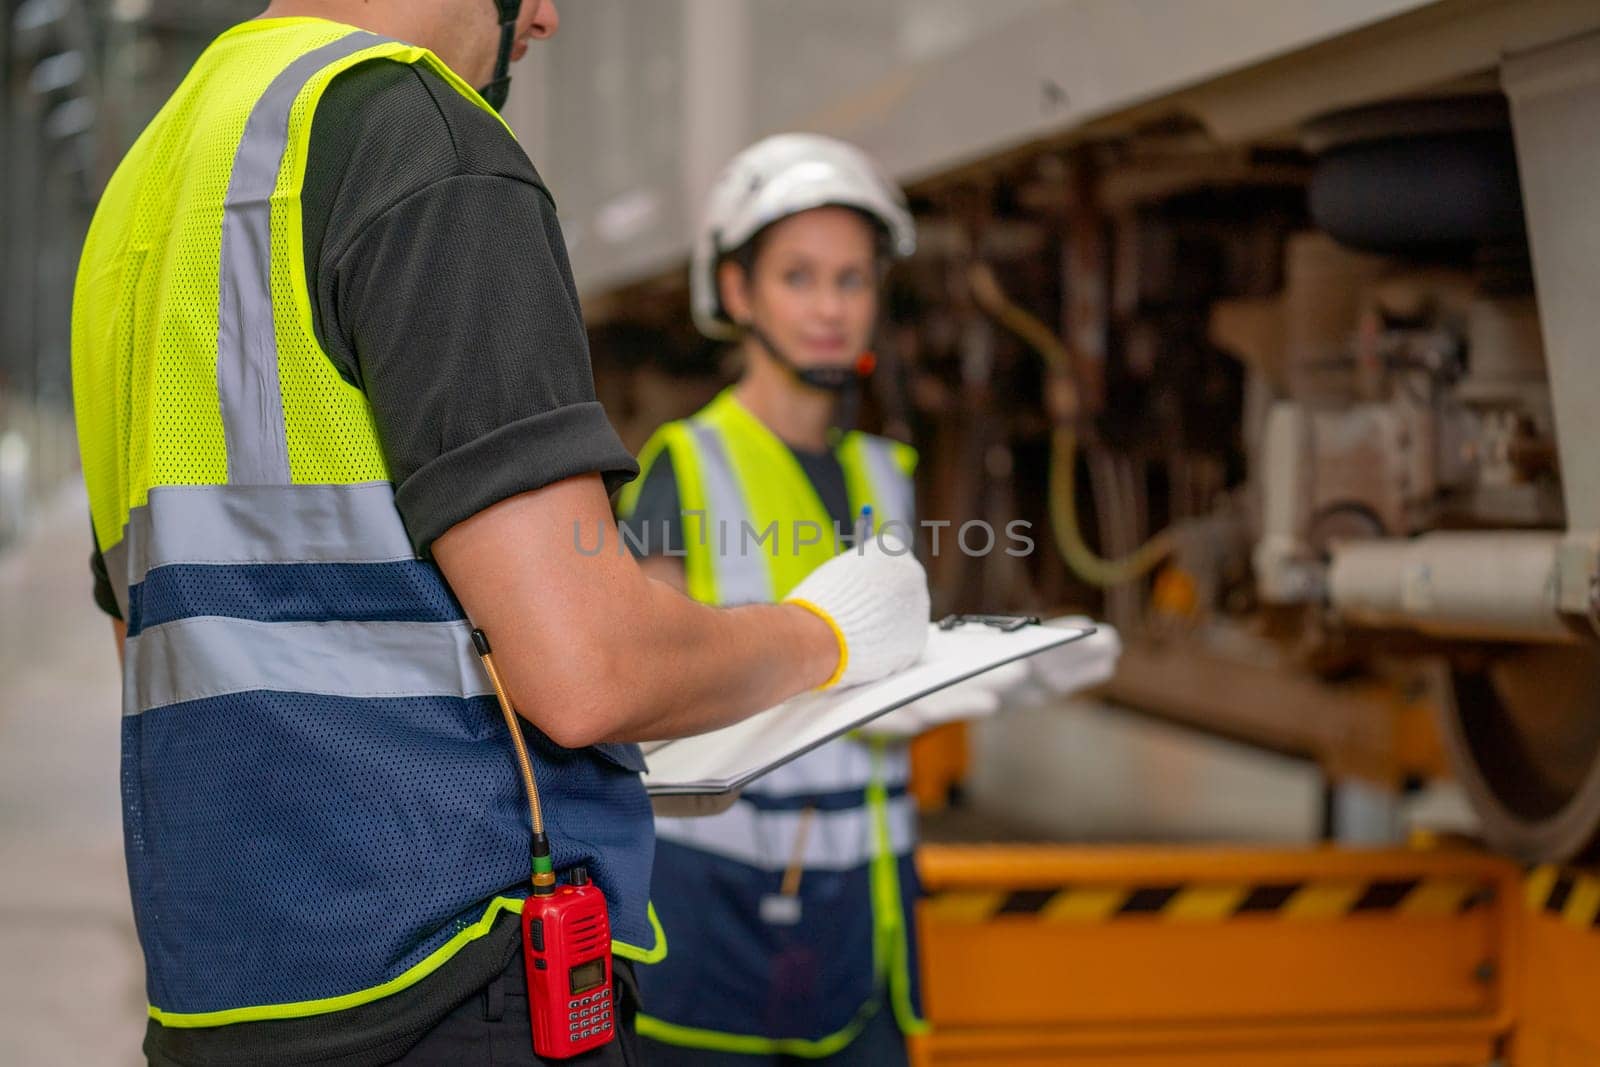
x: 787, y: 917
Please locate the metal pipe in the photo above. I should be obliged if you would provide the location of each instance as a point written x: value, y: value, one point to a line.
x: 1284, y: 568
x: 1497, y: 586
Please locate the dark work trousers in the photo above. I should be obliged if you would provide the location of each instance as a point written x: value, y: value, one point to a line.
x: 879, y: 1044
x: 491, y: 1028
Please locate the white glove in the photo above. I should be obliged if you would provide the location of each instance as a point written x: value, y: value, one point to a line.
x: 976, y: 698
x: 875, y: 597
x: 1077, y: 665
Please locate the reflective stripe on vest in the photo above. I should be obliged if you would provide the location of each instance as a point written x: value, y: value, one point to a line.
x: 247, y: 352
x: 849, y: 767
x: 319, y: 804
x: 733, y: 470
x: 765, y: 839
x: 742, y: 576
x: 886, y: 467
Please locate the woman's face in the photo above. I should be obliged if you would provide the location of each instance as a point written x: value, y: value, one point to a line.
x: 813, y: 288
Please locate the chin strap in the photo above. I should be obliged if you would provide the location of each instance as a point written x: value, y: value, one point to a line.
x: 495, y: 92
x: 828, y: 379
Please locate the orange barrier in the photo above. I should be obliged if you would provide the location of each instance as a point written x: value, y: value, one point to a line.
x: 940, y: 760
x: 1188, y: 957
x: 1558, y: 1023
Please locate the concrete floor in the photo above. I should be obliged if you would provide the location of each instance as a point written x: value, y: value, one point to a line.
x: 71, y: 976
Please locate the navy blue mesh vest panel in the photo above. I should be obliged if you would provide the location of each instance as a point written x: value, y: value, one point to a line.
x: 318, y: 790
x: 292, y: 846
x: 746, y: 975
x: 805, y: 969
x: 394, y: 591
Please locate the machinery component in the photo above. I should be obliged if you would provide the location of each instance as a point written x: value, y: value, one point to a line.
x: 1375, y: 458
x: 1321, y: 303
x: 1371, y: 470
x: 1507, y: 360
x: 1286, y: 572
x: 1552, y: 93
x: 1435, y: 409
x: 1525, y: 728
x: 1498, y: 586
x: 1416, y: 175
x: 1367, y: 729
x: 1525, y: 741
x: 1355, y: 394
x: 1084, y: 562
x: 1508, y: 432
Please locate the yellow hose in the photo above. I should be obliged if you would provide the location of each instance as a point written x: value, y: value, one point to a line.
x: 988, y: 295
x: 1092, y: 568
x: 1069, y: 540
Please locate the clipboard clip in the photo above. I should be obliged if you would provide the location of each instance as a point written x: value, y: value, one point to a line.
x: 1006, y: 624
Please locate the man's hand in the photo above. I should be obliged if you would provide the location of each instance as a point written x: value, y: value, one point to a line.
x: 1056, y: 672
x: 1078, y: 665
x: 875, y: 599
x: 976, y: 698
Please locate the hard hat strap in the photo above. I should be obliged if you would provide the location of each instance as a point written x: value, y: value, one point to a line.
x: 828, y: 379
x: 500, y: 85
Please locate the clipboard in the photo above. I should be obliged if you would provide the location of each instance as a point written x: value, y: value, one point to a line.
x: 703, y: 775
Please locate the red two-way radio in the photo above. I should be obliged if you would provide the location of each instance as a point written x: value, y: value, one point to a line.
x: 566, y: 934
x: 566, y: 941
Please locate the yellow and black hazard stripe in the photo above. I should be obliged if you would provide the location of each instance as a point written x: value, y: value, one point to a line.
x: 1572, y: 895
x: 1215, y: 901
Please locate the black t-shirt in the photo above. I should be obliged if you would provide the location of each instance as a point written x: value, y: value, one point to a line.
x: 441, y: 287
x: 655, y: 528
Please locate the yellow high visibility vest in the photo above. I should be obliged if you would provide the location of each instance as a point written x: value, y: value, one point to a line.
x: 754, y: 527
x: 319, y: 805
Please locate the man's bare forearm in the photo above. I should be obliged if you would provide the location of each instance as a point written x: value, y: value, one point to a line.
x: 592, y: 650
x: 709, y: 667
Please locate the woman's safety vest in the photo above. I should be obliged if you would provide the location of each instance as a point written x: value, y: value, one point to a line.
x: 760, y: 966
x: 319, y: 800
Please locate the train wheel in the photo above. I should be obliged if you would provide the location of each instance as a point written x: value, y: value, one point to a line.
x: 1523, y: 730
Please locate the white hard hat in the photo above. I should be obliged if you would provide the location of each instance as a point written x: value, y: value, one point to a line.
x: 777, y: 177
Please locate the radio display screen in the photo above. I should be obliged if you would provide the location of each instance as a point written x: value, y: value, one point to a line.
x: 586, y: 976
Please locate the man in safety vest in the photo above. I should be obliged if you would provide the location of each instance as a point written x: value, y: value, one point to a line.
x: 789, y: 914
x: 334, y: 401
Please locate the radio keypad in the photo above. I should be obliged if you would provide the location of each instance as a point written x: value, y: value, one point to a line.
x: 589, y: 1016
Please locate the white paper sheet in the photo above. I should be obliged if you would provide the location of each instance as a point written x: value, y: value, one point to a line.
x: 704, y: 773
